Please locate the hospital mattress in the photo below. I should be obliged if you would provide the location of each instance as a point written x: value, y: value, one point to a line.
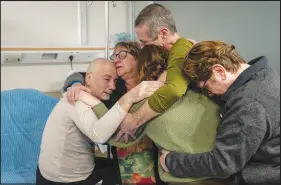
x: 24, y: 113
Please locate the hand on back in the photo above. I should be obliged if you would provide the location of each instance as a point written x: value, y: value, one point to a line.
x: 73, y: 92
x: 143, y: 90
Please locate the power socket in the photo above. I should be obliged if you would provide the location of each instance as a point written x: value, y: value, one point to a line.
x: 84, y: 56
x: 12, y: 57
x: 76, y: 55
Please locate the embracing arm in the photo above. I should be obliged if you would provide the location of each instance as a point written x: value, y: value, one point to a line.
x: 239, y: 137
x: 98, y: 130
x: 175, y: 85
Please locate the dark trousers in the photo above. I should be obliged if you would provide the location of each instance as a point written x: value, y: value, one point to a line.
x: 104, y: 170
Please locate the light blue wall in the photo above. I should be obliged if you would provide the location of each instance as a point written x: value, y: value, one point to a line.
x: 253, y: 27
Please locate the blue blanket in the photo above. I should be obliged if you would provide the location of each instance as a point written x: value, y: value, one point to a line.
x: 24, y: 113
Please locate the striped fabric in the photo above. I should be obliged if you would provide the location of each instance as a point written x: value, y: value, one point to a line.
x: 24, y: 113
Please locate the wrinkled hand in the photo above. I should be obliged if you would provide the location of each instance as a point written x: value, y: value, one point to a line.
x: 162, y: 160
x: 88, y: 99
x: 125, y: 136
x: 72, y: 93
x: 143, y: 90
x: 127, y: 128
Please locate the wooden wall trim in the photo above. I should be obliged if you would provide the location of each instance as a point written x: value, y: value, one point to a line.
x: 53, y: 49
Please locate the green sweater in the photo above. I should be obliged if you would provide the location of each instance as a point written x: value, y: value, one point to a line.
x: 189, y: 125
x: 175, y: 85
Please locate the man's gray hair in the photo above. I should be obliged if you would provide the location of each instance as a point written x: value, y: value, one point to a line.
x: 156, y: 16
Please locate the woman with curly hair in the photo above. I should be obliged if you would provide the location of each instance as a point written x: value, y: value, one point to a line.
x: 152, y: 62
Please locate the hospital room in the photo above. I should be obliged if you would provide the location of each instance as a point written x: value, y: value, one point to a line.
x: 140, y: 92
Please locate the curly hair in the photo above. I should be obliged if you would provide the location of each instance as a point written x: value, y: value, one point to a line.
x: 203, y: 55
x: 153, y: 60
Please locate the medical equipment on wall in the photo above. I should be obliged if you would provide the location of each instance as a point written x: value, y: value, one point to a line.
x: 59, y: 56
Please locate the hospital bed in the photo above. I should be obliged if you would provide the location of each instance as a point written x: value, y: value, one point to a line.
x: 24, y: 113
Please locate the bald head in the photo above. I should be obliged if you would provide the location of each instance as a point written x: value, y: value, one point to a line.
x: 99, y: 63
x: 101, y: 77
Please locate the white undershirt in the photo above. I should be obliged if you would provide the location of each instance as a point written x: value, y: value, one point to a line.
x: 66, y: 155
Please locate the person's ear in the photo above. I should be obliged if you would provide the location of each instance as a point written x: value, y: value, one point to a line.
x: 219, y: 71
x: 88, y: 78
x: 163, y: 34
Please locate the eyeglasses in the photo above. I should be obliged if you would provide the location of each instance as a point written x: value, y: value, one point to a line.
x: 121, y: 55
x: 204, y: 90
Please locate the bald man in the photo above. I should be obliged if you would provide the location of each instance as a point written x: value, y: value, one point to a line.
x: 66, y: 155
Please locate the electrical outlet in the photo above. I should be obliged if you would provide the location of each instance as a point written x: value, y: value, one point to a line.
x: 83, y: 56
x: 77, y: 56
x: 12, y: 58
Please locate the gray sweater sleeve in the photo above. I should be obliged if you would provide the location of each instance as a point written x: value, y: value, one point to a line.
x: 75, y: 77
x: 238, y: 138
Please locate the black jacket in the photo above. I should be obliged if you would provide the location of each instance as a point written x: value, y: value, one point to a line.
x: 247, y: 147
